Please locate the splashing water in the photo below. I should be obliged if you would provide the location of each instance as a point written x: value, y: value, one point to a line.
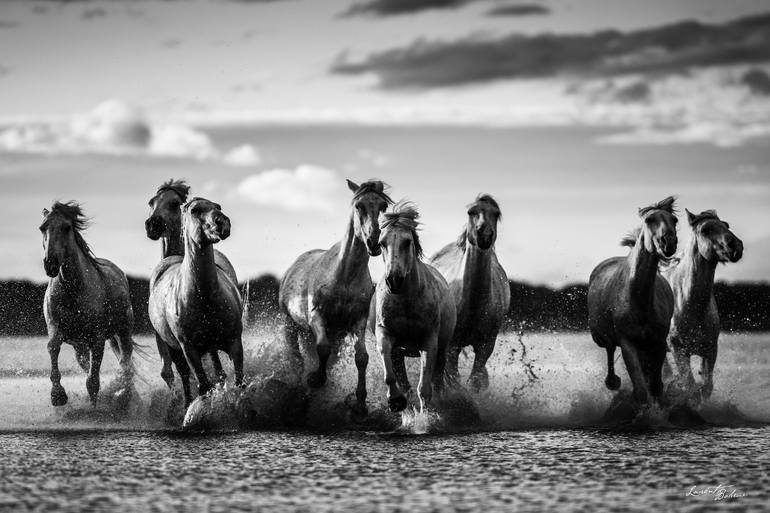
x: 536, y: 380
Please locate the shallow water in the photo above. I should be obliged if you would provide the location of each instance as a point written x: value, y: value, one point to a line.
x: 540, y: 442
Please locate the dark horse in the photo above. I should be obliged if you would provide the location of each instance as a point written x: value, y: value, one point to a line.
x: 86, y: 302
x: 630, y: 304
x: 480, y: 288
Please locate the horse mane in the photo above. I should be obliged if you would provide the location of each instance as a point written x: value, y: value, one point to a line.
x: 629, y: 240
x: 703, y: 216
x: 373, y: 186
x: 667, y: 205
x: 178, y: 186
x: 481, y: 198
x: 404, y: 216
x: 72, y: 211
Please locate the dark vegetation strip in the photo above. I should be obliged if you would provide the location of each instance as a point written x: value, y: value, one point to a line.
x: 742, y: 306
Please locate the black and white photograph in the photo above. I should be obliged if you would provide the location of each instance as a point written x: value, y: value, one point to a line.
x: 384, y: 255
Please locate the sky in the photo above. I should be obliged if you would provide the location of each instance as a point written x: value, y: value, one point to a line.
x: 572, y: 113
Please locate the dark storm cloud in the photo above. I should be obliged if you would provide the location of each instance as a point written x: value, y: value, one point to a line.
x: 395, y: 7
x: 519, y: 10
x: 665, y: 49
x: 758, y: 82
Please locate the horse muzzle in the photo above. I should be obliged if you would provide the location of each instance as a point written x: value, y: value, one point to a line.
x: 667, y: 246
x: 373, y: 248
x: 51, y: 266
x: 154, y: 226
x: 222, y: 226
x: 735, y: 250
x: 394, y: 283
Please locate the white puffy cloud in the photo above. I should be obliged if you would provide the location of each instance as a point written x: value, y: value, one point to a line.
x: 114, y: 127
x: 244, y: 155
x: 307, y: 187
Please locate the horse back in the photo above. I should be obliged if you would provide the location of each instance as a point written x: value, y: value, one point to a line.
x: 293, y: 289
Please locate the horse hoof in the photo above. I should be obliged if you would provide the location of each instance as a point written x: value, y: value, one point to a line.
x: 397, y: 404
x: 316, y: 379
x: 612, y: 382
x: 478, y: 384
x: 58, y: 396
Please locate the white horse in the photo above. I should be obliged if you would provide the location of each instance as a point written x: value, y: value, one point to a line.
x: 695, y: 325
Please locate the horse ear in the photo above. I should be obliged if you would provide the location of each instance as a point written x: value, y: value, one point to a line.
x: 690, y: 217
x: 45, y: 212
x: 352, y: 186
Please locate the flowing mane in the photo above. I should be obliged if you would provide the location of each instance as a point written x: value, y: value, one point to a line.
x: 373, y: 186
x: 72, y: 211
x: 666, y: 205
x: 706, y: 215
x: 481, y: 198
x: 403, y: 216
x: 180, y: 187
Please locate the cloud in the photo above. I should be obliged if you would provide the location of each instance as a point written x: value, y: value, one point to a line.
x: 116, y: 128
x: 308, y: 188
x: 92, y: 13
x: 666, y: 49
x: 244, y: 155
x: 396, y: 7
x: 5, y: 24
x: 719, y: 134
x: 519, y: 10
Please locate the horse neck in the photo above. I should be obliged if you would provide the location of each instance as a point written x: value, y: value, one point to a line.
x: 353, y: 256
x: 696, y: 276
x: 172, y: 243
x: 199, y: 269
x: 78, y: 269
x: 477, y: 270
x: 643, y: 273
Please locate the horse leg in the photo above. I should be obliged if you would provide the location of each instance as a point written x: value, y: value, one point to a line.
x: 707, y: 370
x: 479, y: 379
x: 218, y: 370
x: 58, y: 395
x: 92, y: 383
x: 126, y: 344
x: 193, y: 358
x: 165, y: 357
x: 452, y: 364
x: 684, y: 371
x: 396, y: 399
x: 635, y: 372
x: 399, y: 369
x: 183, y: 368
x: 236, y: 354
x: 428, y: 360
x: 83, y: 358
x: 317, y: 378
x: 362, y: 361
x: 612, y: 380
x: 655, y: 372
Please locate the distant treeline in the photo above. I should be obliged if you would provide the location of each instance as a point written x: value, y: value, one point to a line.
x: 742, y: 306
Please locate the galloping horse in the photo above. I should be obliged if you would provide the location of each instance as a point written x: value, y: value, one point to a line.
x: 86, y: 302
x: 165, y: 223
x: 630, y: 304
x: 326, y: 294
x: 195, y: 306
x: 695, y: 325
x: 480, y: 288
x: 412, y: 311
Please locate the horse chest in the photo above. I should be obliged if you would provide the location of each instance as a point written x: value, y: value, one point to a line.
x: 410, y: 324
x: 342, y: 306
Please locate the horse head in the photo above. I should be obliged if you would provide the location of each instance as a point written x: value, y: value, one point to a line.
x: 400, y: 245
x: 716, y: 243
x: 483, y: 216
x: 61, y: 228
x: 659, y: 227
x: 165, y: 214
x: 369, y: 201
x: 203, y: 222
